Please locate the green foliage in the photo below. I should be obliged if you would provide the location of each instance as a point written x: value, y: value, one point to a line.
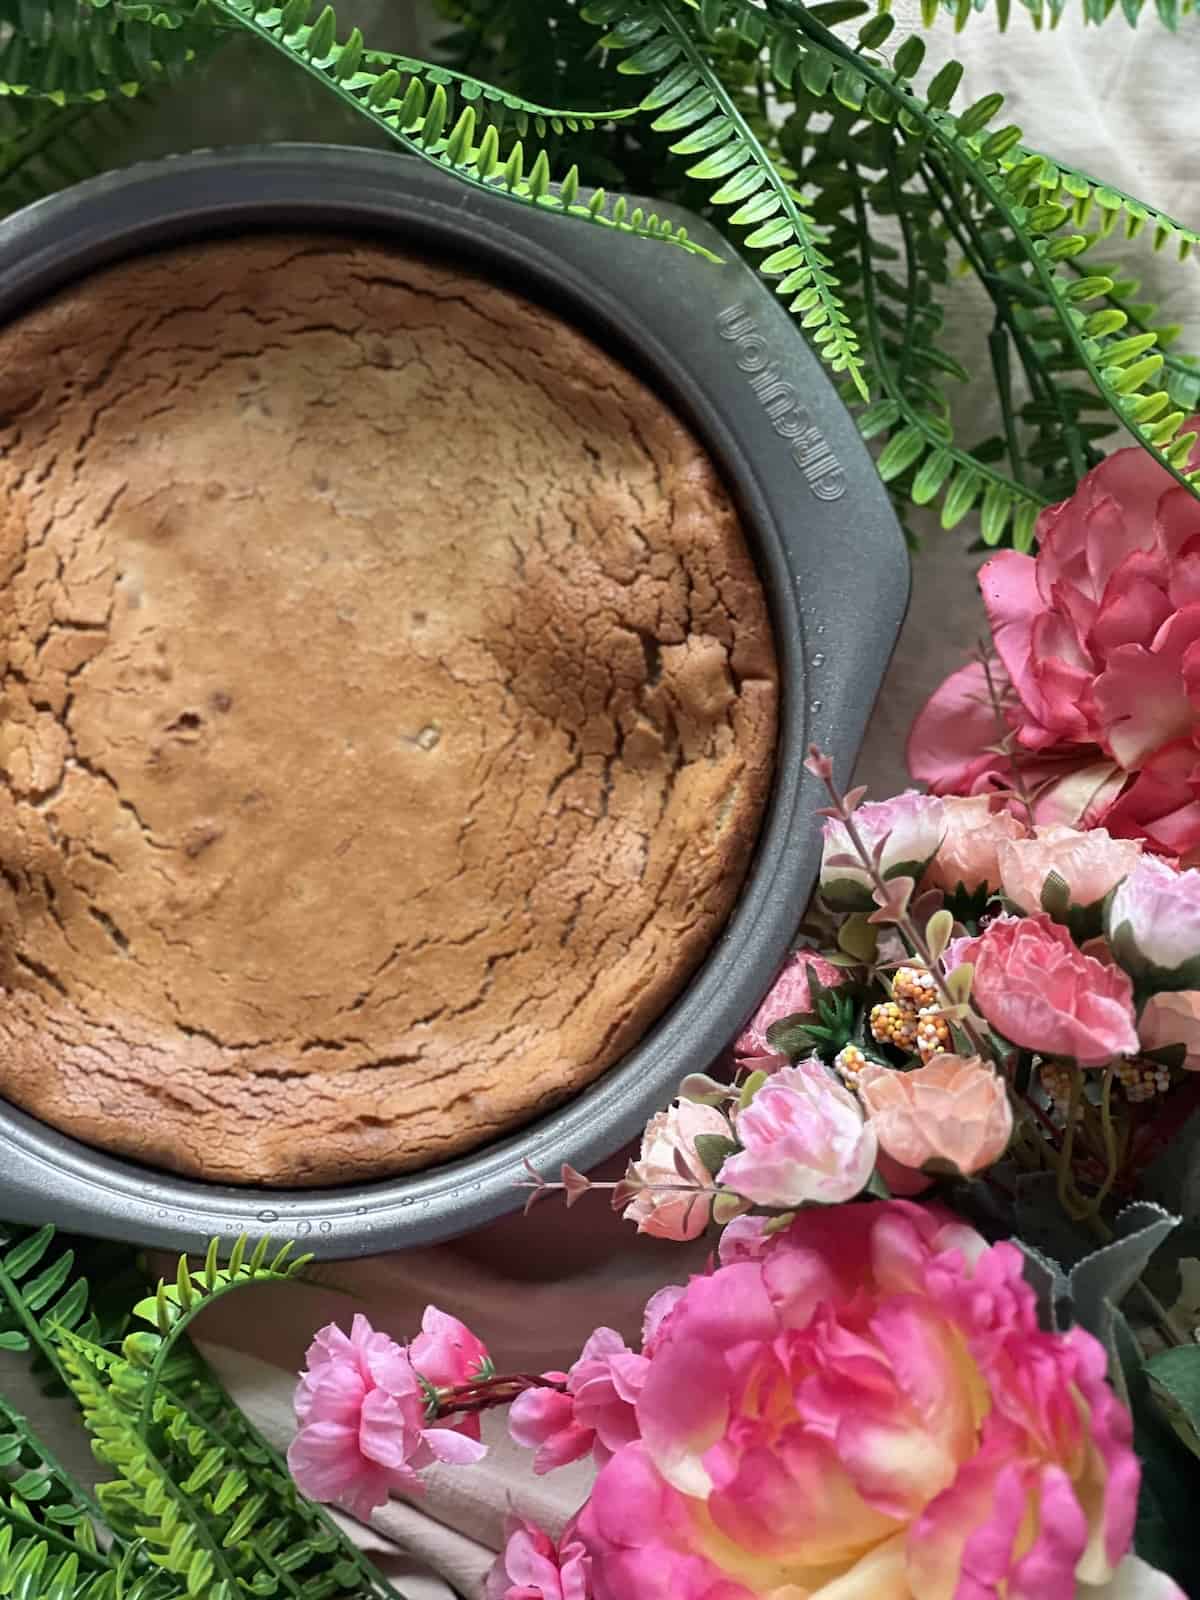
x: 693, y: 106
x: 198, y: 1504
x: 44, y: 147
x: 68, y: 53
x: 448, y: 118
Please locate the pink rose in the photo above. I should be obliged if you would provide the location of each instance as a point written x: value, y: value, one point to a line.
x: 532, y: 1567
x: 596, y: 1413
x: 1154, y: 925
x: 664, y: 1207
x: 1098, y: 639
x: 803, y: 1139
x: 1089, y: 863
x: 1037, y: 988
x: 361, y: 1410
x: 789, y: 996
x: 1173, y: 1018
x: 869, y: 1410
x: 906, y: 830
x: 967, y: 857
x: 953, y: 1110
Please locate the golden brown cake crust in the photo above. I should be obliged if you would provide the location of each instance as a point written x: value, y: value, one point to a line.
x: 389, y: 708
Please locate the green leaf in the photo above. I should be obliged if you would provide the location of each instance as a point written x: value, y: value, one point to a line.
x: 1175, y: 1383
x: 26, y: 1255
x: 714, y: 1151
x: 979, y: 115
x: 901, y: 450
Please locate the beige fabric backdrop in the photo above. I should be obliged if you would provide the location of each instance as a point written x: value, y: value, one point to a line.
x: 1118, y: 103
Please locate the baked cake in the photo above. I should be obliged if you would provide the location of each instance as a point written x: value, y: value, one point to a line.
x: 389, y: 709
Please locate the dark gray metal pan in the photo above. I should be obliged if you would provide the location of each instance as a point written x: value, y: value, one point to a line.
x: 716, y: 343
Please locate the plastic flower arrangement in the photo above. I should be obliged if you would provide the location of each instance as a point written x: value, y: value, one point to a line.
x: 863, y: 1396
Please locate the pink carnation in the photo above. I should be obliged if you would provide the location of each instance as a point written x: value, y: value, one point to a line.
x: 905, y: 830
x: 1090, y: 863
x: 952, y: 1110
x: 665, y: 1207
x: 803, y: 1139
x: 869, y: 1409
x: 1037, y: 988
x: 1173, y: 1018
x: 532, y: 1567
x: 967, y: 856
x: 790, y: 995
x: 363, y: 1433
x: 595, y: 1413
x: 1098, y: 639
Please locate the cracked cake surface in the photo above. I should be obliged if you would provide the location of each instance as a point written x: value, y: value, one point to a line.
x: 389, y: 709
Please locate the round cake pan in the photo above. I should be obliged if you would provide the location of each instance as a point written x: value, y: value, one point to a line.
x: 717, y: 345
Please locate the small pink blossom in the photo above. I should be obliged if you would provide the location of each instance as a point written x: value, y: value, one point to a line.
x: 790, y: 995
x: 665, y: 1208
x: 745, y: 1239
x: 1090, y: 863
x: 532, y: 1567
x: 1037, y: 988
x: 448, y: 1355
x: 657, y: 1316
x: 952, y: 1110
x: 1173, y: 1018
x: 595, y: 1413
x: 967, y: 856
x: 908, y: 830
x: 363, y: 1432
x: 803, y: 1139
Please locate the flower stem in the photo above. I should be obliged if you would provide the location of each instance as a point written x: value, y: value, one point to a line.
x: 486, y: 1394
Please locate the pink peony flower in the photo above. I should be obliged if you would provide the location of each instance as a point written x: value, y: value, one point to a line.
x: 1098, y: 639
x: 596, y: 1413
x: 1173, y: 1018
x: 789, y: 996
x: 447, y: 1354
x: 909, y: 828
x: 363, y: 1433
x: 1037, y: 988
x: 803, y: 1139
x: 1154, y: 925
x: 869, y: 1411
x: 1089, y: 863
x: 967, y: 856
x: 664, y: 1208
x: 532, y: 1567
x: 952, y: 1110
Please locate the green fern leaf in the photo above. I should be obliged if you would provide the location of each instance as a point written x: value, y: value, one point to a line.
x: 693, y: 103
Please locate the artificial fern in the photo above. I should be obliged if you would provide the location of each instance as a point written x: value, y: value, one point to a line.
x: 692, y: 104
x: 198, y: 1504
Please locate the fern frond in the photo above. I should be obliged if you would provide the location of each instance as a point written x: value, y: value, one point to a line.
x: 174, y: 1306
x: 417, y: 112
x: 93, y: 51
x: 179, y: 1538
x: 42, y: 1293
x: 1033, y: 211
x: 503, y: 106
x: 44, y: 148
x: 1169, y: 12
x: 692, y: 103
